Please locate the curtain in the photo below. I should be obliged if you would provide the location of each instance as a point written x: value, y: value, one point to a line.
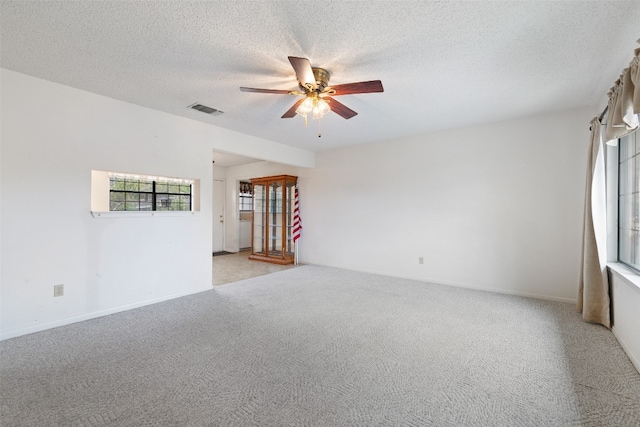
x: 593, y: 293
x: 634, y: 74
x: 622, y: 119
x: 624, y: 102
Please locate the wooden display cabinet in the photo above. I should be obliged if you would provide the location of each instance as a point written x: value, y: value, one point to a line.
x: 272, y: 225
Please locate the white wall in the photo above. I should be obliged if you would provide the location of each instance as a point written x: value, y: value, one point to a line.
x: 625, y: 298
x: 497, y: 207
x: 52, y: 137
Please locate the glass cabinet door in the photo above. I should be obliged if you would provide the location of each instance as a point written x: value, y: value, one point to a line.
x: 259, y: 218
x: 275, y: 219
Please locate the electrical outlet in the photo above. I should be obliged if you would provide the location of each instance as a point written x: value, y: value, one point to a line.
x: 58, y: 290
x: 420, y: 260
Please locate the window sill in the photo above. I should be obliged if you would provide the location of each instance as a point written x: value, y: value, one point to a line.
x: 143, y: 214
x: 628, y: 275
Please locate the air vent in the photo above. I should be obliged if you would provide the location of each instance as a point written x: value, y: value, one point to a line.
x: 205, y: 109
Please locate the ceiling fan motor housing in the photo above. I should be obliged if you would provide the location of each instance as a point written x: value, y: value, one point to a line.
x: 322, y: 78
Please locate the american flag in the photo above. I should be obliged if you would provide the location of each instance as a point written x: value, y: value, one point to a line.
x: 297, y: 224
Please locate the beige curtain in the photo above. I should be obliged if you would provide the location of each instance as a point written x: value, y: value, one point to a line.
x: 622, y: 119
x: 634, y: 75
x: 593, y: 293
x: 624, y: 103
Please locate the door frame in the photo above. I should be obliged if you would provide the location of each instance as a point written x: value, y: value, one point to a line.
x: 213, y: 219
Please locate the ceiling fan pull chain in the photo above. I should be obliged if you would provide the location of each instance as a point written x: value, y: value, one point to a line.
x: 319, y: 134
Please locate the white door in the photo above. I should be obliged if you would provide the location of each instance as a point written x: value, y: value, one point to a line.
x: 218, y: 215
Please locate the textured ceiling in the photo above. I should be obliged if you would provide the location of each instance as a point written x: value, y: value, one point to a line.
x: 443, y: 64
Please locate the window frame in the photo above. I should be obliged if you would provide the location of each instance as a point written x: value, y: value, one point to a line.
x: 631, y: 173
x: 156, y: 199
x: 100, y: 196
x: 245, y: 197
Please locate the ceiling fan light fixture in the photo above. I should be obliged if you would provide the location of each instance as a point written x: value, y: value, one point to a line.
x: 313, y: 105
x: 321, y: 108
x: 306, y: 107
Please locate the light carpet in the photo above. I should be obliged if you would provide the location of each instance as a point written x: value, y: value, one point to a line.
x: 317, y: 346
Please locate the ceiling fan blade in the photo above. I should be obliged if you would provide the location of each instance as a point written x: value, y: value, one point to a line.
x: 360, y: 87
x: 291, y: 112
x: 303, y: 70
x: 252, y: 89
x: 341, y: 109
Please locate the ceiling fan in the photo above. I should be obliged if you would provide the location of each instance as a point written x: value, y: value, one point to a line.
x: 318, y: 95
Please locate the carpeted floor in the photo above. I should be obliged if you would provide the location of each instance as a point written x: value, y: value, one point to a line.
x: 316, y: 346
